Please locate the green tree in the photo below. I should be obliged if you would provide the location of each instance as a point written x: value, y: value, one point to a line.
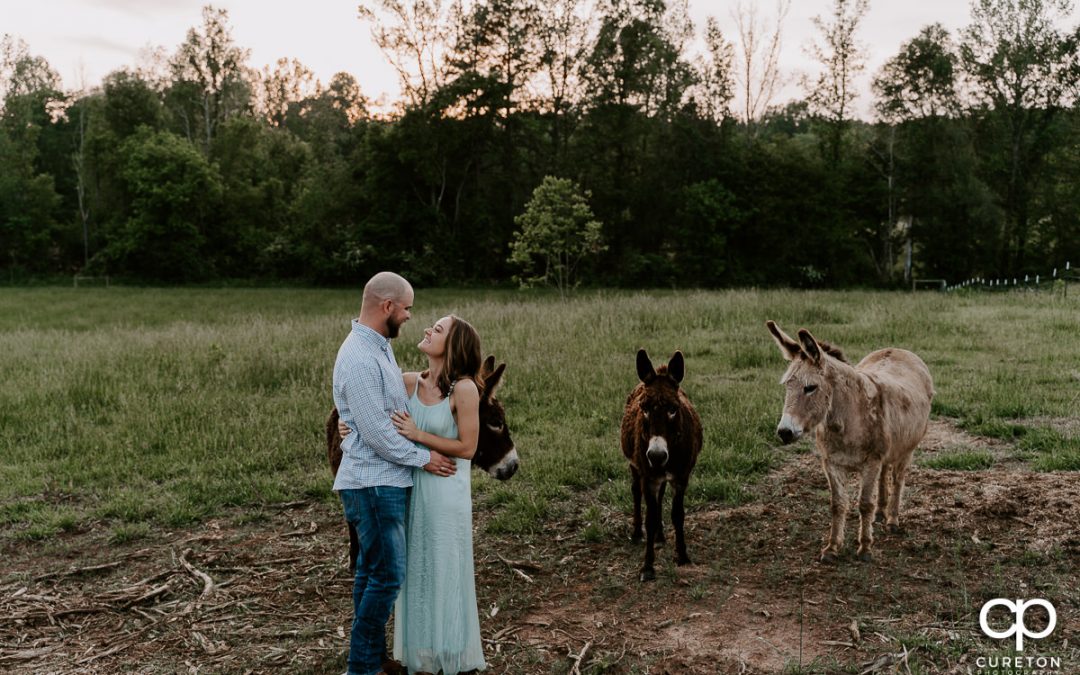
x: 715, y: 86
x: 842, y: 58
x: 261, y: 171
x: 210, y: 81
x: 1058, y: 200
x: 289, y: 83
x: 636, y: 60
x: 28, y: 153
x: 28, y: 206
x: 130, y: 101
x: 926, y: 153
x: 557, y: 233
x: 1019, y: 64
x: 562, y: 36
x: 173, y: 192
x: 705, y: 221
x: 21, y: 72
x: 920, y: 81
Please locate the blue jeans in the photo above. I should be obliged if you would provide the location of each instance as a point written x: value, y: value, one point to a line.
x: 378, y: 514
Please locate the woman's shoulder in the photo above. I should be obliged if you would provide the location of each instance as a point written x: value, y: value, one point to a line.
x: 466, y: 386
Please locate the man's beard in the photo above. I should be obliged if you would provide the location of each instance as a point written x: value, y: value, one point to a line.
x: 392, y: 327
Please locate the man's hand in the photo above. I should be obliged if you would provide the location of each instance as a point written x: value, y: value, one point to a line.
x: 440, y: 465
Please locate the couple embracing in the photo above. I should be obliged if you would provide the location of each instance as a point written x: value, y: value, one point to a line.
x: 404, y: 484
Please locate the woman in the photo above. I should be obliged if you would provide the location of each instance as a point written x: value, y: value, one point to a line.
x: 436, y: 624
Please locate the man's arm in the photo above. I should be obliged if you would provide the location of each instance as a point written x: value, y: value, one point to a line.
x: 363, y: 389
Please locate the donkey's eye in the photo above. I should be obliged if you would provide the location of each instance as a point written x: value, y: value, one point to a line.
x: 495, y: 427
x: 809, y: 389
x: 645, y: 414
x: 671, y: 414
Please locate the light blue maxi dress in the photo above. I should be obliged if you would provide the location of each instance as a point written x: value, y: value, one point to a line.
x: 436, y: 624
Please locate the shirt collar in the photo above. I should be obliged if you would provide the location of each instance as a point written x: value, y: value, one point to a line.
x: 370, y: 336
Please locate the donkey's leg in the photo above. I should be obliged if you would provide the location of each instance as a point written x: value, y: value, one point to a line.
x: 660, y: 538
x: 652, y: 523
x: 892, y: 516
x: 871, y: 474
x: 635, y: 489
x: 839, y: 507
x: 883, y: 492
x: 677, y: 515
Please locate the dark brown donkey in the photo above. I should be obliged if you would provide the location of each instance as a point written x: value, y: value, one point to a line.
x: 495, y: 451
x: 661, y: 436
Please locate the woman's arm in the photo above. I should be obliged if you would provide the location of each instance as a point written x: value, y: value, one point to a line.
x: 466, y: 400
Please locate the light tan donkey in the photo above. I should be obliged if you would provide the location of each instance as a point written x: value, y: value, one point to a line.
x: 867, y: 418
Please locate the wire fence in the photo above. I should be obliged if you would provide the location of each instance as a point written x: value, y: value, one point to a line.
x: 1057, y: 280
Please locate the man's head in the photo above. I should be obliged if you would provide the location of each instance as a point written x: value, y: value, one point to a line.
x: 388, y: 300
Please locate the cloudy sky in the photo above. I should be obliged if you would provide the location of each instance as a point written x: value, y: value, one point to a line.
x: 85, y: 39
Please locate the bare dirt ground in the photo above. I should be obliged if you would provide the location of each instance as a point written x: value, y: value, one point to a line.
x: 267, y: 591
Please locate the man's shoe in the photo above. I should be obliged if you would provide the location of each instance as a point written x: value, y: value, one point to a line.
x: 392, y: 667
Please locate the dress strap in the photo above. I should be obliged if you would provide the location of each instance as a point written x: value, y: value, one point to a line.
x: 451, y: 390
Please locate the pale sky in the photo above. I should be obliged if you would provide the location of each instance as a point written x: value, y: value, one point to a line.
x: 94, y: 37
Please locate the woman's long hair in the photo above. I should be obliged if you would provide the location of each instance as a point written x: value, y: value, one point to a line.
x: 463, y: 356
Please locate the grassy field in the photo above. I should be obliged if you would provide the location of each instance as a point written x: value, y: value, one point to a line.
x: 147, y: 434
x: 132, y: 409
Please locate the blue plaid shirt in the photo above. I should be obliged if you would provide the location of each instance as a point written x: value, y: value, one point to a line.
x: 367, y: 388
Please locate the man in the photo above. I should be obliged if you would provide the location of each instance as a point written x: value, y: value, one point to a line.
x: 376, y: 464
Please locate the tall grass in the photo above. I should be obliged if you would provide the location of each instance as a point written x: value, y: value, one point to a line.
x: 138, y: 406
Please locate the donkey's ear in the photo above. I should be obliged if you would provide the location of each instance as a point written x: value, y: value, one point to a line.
x: 810, y: 345
x: 645, y: 372
x: 788, y: 347
x: 676, y: 367
x: 492, y: 381
x: 488, y: 365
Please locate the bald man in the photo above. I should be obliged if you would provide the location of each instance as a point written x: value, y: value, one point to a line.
x: 376, y: 463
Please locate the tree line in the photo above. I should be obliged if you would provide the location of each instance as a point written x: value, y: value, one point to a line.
x: 194, y: 166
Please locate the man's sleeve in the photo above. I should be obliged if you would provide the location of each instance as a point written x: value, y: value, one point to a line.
x: 363, y: 389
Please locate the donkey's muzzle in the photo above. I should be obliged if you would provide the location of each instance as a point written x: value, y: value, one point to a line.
x: 505, y: 469
x: 657, y: 452
x: 788, y: 430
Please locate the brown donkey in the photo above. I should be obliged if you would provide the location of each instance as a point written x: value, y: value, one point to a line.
x: 661, y: 436
x: 868, y: 420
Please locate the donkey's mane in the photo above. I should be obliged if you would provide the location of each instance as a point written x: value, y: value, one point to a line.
x: 832, y: 351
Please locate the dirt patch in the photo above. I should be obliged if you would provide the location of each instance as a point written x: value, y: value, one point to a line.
x: 945, y: 435
x: 268, y: 590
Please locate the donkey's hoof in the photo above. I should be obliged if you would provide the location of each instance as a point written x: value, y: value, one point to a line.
x: 635, y: 538
x: 880, y: 517
x: 828, y: 558
x: 893, y: 528
x: 866, y: 556
x: 660, y: 539
x: 683, y: 560
x: 648, y: 574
